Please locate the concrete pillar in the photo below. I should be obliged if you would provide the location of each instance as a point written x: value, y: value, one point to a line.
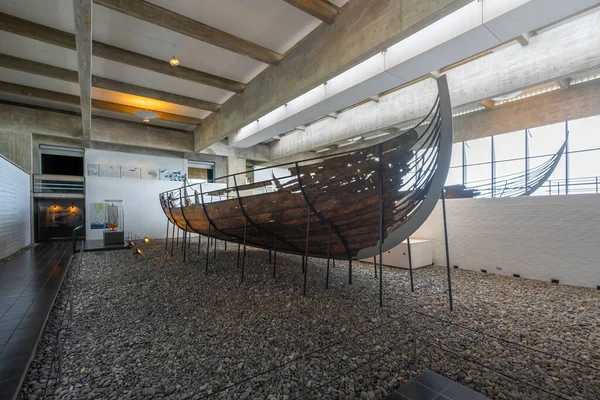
x: 234, y: 166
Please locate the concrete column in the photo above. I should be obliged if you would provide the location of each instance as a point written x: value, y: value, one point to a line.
x: 234, y: 166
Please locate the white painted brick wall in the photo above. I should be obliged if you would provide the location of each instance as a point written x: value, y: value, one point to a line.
x: 539, y: 237
x: 15, y: 208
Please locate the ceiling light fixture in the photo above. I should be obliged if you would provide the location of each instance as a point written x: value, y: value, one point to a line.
x: 174, y: 61
x: 323, y: 150
x: 145, y: 115
x: 355, y: 139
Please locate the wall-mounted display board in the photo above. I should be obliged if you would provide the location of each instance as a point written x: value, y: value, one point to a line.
x: 171, y: 175
x: 130, y: 172
x: 97, y: 216
x: 150, y: 173
x: 109, y: 171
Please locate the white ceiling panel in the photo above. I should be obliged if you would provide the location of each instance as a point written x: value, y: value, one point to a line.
x: 29, y: 49
x: 154, y: 80
x: 273, y: 24
x: 57, y: 14
x: 40, y: 82
x: 129, y: 33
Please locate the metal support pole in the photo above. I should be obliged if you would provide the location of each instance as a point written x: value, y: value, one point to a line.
x: 306, y: 250
x: 173, y: 240
x: 177, y: 242
x: 447, y: 251
x: 380, y: 151
x: 412, y: 287
x: 215, y: 249
x: 185, y: 235
x: 269, y: 256
x: 238, y: 258
x: 375, y: 265
x: 207, y: 250
x: 275, y: 258
x: 567, y: 157
x: 225, y: 244
x: 328, y: 251
x: 167, y: 237
x: 244, y: 254
x: 350, y: 271
x: 199, y: 242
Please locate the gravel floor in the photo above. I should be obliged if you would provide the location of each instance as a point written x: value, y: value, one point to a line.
x: 155, y: 327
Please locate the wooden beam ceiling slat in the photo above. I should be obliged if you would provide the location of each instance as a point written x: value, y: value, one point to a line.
x: 66, y: 40
x: 50, y: 71
x: 321, y: 9
x: 21, y: 90
x: 186, y: 26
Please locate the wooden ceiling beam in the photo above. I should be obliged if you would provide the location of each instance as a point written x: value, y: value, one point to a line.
x: 36, y: 68
x: 21, y: 90
x: 66, y: 40
x: 321, y: 9
x: 186, y: 26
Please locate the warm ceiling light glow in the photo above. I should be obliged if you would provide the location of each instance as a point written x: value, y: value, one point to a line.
x: 174, y: 61
x: 146, y: 120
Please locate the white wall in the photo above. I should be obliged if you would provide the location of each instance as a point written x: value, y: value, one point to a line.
x: 15, y: 213
x: 143, y: 213
x: 539, y: 237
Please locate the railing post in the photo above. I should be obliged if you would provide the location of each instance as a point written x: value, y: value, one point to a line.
x: 447, y: 250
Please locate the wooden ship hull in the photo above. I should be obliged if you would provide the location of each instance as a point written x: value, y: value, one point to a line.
x: 348, y: 206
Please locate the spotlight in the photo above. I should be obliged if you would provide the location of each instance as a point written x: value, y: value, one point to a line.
x: 146, y: 240
x: 137, y: 252
x: 131, y: 244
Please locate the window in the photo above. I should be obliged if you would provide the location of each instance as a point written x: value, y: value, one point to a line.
x: 510, y: 146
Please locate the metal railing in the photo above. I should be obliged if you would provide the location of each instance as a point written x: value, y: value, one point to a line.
x: 585, y: 185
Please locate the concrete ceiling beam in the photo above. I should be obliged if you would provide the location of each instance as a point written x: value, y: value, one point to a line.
x: 506, y: 70
x: 321, y: 9
x: 27, y: 91
x: 183, y: 25
x: 50, y: 71
x: 82, y: 11
x: 363, y: 29
x: 66, y: 40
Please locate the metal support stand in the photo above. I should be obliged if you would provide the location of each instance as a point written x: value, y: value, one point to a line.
x: 412, y: 287
x: 185, y: 235
x: 215, y: 249
x: 328, y: 251
x: 199, y: 242
x: 244, y: 254
x: 167, y: 237
x: 306, y: 250
x: 173, y: 240
x: 269, y: 256
x: 375, y: 265
x: 238, y: 258
x: 380, y: 151
x: 350, y: 271
x: 275, y: 258
x: 177, y: 242
x: 447, y: 251
x: 207, y: 250
x: 225, y: 244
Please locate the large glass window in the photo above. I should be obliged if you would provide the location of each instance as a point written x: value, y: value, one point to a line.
x: 481, y: 164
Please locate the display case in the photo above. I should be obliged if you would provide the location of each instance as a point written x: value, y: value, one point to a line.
x: 114, y: 216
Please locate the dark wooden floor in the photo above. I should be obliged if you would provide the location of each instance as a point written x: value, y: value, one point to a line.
x: 29, y: 285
